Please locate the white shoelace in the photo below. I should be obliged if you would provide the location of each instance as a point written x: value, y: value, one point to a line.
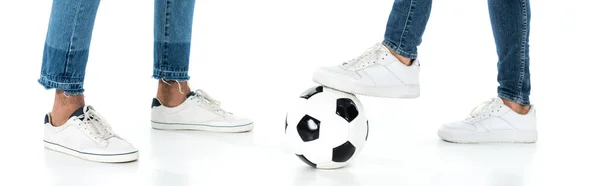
x: 483, y: 110
x: 212, y: 103
x: 368, y: 58
x: 96, y: 124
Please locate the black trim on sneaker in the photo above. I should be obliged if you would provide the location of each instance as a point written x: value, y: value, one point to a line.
x: 46, y: 119
x: 155, y: 103
x: 77, y: 112
x: 190, y: 94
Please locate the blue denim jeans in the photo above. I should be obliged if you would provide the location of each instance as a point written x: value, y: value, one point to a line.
x: 70, y: 32
x: 510, y: 24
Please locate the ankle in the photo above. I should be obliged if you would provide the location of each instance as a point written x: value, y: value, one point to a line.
x: 64, y: 106
x: 518, y: 108
x: 172, y: 93
x: 404, y: 60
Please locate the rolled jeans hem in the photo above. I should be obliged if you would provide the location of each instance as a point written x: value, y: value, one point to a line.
x: 516, y: 99
x: 71, y: 86
x: 171, y: 75
x: 391, y: 45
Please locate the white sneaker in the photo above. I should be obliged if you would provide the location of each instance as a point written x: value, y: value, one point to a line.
x: 198, y: 112
x: 375, y: 73
x: 88, y: 136
x: 492, y: 122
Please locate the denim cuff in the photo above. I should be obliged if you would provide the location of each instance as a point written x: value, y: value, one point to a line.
x: 516, y: 99
x: 171, y: 75
x: 398, y: 50
x: 71, y: 86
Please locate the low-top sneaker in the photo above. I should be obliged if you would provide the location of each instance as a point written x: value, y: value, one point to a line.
x: 87, y: 135
x: 492, y: 122
x: 374, y: 73
x: 198, y: 112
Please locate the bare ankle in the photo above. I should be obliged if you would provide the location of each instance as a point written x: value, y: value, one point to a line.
x: 172, y: 93
x: 404, y: 60
x: 64, y: 106
x: 518, y: 108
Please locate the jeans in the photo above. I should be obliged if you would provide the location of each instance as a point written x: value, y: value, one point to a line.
x: 510, y: 24
x: 70, y: 32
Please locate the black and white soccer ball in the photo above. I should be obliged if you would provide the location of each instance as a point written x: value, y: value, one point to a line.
x: 326, y: 128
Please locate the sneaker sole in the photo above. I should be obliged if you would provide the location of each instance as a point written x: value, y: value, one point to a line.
x: 402, y: 91
x: 490, y: 137
x: 104, y: 158
x: 202, y: 127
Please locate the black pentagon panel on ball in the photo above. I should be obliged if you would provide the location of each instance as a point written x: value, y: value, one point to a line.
x: 343, y: 152
x: 306, y: 161
x: 311, y: 92
x: 308, y: 128
x: 346, y: 108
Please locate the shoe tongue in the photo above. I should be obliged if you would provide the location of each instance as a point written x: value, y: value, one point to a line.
x: 498, y: 101
x: 190, y: 94
x: 80, y: 112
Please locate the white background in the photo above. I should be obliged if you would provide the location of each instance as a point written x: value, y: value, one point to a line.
x: 257, y: 57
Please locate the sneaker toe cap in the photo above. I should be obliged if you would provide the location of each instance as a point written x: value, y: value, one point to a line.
x: 336, y: 72
x: 231, y: 121
x: 239, y: 122
x: 338, y: 77
x: 116, y: 146
x: 458, y: 126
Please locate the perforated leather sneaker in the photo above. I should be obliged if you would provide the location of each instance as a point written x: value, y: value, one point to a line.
x: 492, y: 122
x: 375, y: 73
x: 88, y: 135
x: 198, y: 112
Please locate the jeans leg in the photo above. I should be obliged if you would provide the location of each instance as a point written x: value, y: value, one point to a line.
x: 406, y: 25
x: 510, y: 23
x: 172, y: 36
x: 67, y: 45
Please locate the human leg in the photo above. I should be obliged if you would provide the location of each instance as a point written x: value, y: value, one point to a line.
x: 72, y: 127
x: 175, y: 105
x: 508, y: 118
x: 390, y: 68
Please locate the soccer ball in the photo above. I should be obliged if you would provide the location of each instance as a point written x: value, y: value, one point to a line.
x: 326, y: 128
